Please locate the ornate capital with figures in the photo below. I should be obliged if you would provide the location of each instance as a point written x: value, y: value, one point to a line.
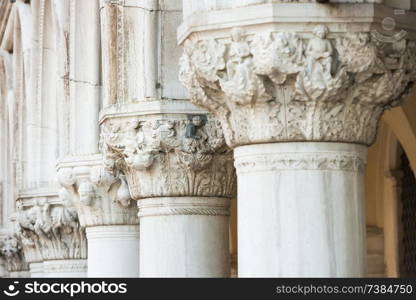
x: 11, y: 252
x: 145, y: 149
x: 297, y: 86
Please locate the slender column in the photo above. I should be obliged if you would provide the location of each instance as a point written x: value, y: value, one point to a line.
x: 181, y: 173
x: 309, y: 195
x: 172, y: 154
x: 299, y: 108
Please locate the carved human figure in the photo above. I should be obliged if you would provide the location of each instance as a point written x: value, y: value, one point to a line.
x: 239, y: 53
x: 319, y: 52
x: 43, y: 224
x: 242, y: 85
x: 195, y: 135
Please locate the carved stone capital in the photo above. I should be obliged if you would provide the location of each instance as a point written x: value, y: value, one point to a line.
x: 49, y: 229
x: 100, y: 197
x: 298, y: 86
x: 11, y: 252
x: 169, y: 155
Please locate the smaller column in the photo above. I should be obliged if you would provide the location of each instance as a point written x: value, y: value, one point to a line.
x: 181, y: 173
x: 113, y: 251
x: 184, y: 237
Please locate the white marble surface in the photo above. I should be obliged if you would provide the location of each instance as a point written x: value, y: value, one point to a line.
x: 113, y: 251
x: 300, y: 215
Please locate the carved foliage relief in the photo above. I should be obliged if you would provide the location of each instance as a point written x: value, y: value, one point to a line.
x: 147, y: 150
x: 283, y: 86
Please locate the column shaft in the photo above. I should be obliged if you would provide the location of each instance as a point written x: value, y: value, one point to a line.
x: 300, y: 210
x: 184, y: 237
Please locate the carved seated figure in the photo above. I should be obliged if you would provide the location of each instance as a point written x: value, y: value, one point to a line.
x: 319, y: 54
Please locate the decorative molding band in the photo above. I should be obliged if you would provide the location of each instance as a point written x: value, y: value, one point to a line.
x: 300, y: 161
x: 150, y: 107
x: 117, y: 232
x: 206, y: 206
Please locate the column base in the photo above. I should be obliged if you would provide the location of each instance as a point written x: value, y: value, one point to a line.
x: 113, y: 251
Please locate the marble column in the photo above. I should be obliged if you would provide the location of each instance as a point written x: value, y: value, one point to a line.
x: 180, y: 171
x: 299, y: 107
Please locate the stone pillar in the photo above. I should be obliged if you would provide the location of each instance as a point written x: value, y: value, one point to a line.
x: 309, y: 196
x: 108, y: 214
x: 171, y: 154
x: 299, y: 107
x: 184, y: 237
x: 180, y: 171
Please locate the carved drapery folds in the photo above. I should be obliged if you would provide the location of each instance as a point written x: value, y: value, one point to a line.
x: 147, y: 149
x: 286, y: 86
x: 11, y: 252
x: 50, y: 230
x: 100, y: 198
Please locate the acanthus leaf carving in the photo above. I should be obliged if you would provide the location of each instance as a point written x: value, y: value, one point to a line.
x: 50, y: 231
